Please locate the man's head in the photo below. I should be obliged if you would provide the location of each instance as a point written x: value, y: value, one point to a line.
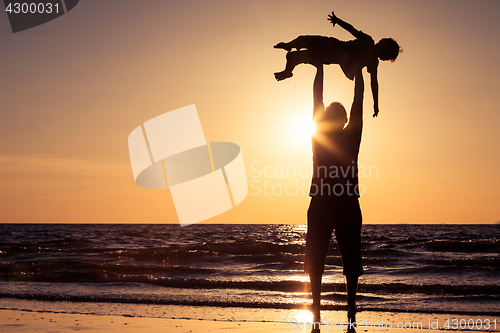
x: 387, y: 49
x: 334, y: 117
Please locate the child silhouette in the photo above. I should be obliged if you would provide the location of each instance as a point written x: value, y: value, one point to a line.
x: 351, y: 55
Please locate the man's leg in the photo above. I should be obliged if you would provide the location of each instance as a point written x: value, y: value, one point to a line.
x: 352, y: 288
x: 316, y: 294
x: 348, y: 235
x: 317, y: 244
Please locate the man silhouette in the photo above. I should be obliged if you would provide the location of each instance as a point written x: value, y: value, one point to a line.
x: 334, y: 190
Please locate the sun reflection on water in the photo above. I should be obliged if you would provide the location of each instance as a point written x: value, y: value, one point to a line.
x: 301, y: 316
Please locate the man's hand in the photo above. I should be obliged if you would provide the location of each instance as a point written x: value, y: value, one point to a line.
x: 332, y: 18
x: 375, y: 113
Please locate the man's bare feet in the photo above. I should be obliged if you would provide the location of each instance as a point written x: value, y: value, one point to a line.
x: 351, y: 313
x: 351, y: 318
x: 316, y: 324
x: 280, y: 76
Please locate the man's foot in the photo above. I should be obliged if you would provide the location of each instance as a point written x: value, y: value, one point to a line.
x: 283, y: 46
x: 351, y: 318
x: 280, y: 76
x: 351, y: 313
x: 315, y: 309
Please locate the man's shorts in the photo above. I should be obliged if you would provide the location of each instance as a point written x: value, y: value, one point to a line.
x: 343, y: 215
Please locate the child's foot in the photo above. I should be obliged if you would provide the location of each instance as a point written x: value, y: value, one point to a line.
x: 283, y: 46
x: 280, y: 76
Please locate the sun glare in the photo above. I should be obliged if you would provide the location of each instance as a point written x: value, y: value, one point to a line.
x: 304, y: 128
x: 303, y: 316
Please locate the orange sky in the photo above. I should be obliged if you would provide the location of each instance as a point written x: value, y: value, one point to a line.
x: 74, y: 88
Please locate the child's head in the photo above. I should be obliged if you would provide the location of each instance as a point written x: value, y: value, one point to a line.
x: 387, y: 49
x: 334, y: 117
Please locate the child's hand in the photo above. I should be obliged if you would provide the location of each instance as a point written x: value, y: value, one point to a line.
x: 332, y: 18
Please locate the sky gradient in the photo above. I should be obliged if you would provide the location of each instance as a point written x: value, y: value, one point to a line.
x: 74, y: 88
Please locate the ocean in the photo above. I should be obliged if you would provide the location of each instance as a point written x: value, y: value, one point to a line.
x: 446, y: 269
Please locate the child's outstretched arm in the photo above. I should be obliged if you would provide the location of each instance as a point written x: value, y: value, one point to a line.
x: 335, y: 20
x: 374, y: 85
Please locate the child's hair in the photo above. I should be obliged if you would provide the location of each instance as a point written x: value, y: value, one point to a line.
x: 392, y: 47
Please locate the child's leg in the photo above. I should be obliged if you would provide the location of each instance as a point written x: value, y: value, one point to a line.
x: 293, y: 59
x: 303, y: 42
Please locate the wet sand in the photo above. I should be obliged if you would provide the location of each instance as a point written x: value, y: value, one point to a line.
x: 46, y: 316
x: 23, y: 321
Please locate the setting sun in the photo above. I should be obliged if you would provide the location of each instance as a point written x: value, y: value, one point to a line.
x: 304, y: 128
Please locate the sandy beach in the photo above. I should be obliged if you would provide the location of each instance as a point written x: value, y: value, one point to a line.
x: 41, y: 316
x: 23, y: 321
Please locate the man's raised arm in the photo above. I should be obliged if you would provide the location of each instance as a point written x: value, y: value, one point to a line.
x: 356, y: 117
x: 374, y: 85
x: 318, y: 106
